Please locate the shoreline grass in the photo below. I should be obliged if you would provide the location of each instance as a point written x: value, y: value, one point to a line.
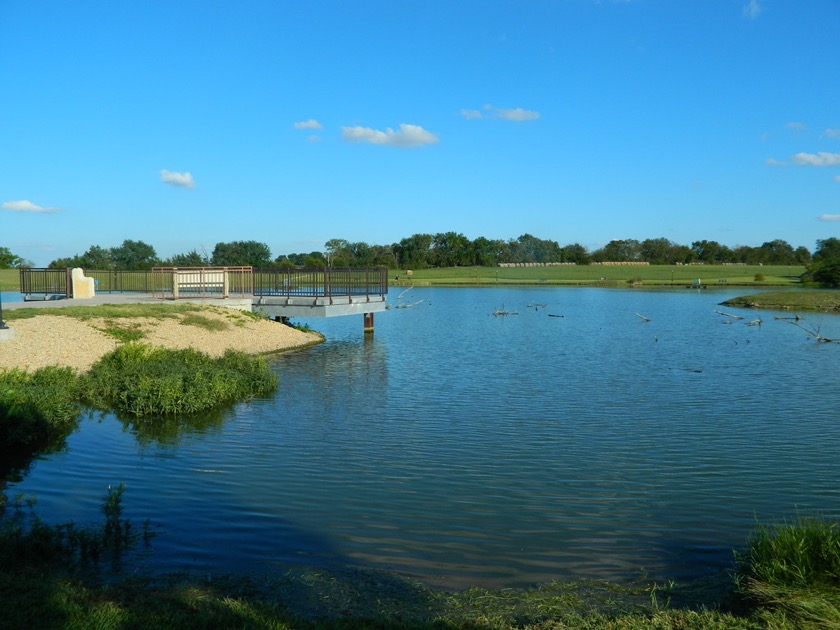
x: 826, y: 300
x: 53, y: 577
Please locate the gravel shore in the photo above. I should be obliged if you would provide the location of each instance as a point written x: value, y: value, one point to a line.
x: 54, y: 339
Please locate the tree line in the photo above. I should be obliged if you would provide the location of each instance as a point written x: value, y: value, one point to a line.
x: 452, y: 249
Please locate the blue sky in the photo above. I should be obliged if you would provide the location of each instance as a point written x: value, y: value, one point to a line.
x: 184, y: 124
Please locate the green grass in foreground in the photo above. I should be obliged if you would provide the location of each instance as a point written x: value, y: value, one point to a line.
x: 54, y: 577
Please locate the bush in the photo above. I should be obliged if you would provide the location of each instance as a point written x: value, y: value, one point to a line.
x: 37, y: 408
x: 140, y: 380
x: 759, y: 277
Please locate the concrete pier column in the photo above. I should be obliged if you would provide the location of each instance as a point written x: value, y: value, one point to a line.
x: 369, y: 323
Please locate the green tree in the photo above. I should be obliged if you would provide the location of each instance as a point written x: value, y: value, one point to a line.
x: 828, y: 249
x: 618, y: 251
x: 8, y: 260
x: 241, y: 254
x: 190, y: 259
x: 576, y: 253
x: 414, y: 252
x: 132, y: 255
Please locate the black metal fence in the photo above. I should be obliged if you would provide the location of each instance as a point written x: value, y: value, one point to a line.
x: 121, y: 281
x: 46, y: 281
x: 320, y: 282
x: 206, y: 282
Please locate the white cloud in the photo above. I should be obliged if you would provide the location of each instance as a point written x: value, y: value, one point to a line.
x: 830, y: 217
x: 798, y: 126
x: 752, y: 9
x: 308, y: 124
x: 516, y: 115
x: 407, y: 137
x: 832, y: 133
x: 816, y: 159
x: 184, y: 180
x: 25, y: 206
x: 836, y: 178
x: 773, y: 162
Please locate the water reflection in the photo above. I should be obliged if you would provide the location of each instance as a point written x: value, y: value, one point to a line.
x: 471, y: 449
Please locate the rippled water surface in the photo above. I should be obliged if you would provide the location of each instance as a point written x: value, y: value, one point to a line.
x: 571, y: 439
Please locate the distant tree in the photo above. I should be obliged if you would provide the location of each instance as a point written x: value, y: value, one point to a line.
x: 802, y: 256
x: 450, y: 249
x: 576, y: 253
x: 96, y: 258
x: 132, y: 255
x: 618, y: 251
x: 776, y: 252
x: 414, y: 252
x: 8, y: 260
x: 338, y: 252
x: 825, y: 269
x: 190, y: 259
x: 827, y: 249
x: 485, y: 253
x: 711, y: 252
x: 241, y: 254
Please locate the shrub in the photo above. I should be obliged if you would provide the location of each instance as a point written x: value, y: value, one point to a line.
x: 37, y: 408
x: 140, y: 380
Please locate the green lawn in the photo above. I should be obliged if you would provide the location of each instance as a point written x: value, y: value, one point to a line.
x: 654, y: 275
x: 9, y: 280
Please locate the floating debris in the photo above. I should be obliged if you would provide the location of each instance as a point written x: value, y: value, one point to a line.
x: 729, y: 315
x: 642, y: 317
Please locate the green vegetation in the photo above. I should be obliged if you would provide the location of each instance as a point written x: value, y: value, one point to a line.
x: 606, y: 276
x: 817, y: 300
x: 39, y: 410
x: 52, y: 577
x: 792, y: 570
x: 141, y: 380
x: 9, y: 280
x: 37, y: 413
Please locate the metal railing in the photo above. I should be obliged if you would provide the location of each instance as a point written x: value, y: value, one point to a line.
x: 321, y: 282
x: 121, y: 281
x: 204, y: 282
x: 46, y: 281
x: 216, y: 281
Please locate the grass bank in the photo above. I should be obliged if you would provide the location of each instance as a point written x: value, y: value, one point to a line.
x: 825, y: 300
x: 72, y: 576
x: 606, y: 276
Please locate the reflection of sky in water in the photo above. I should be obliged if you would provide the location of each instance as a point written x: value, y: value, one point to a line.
x: 497, y: 450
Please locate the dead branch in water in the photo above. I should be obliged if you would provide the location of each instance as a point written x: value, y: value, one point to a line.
x: 814, y: 333
x: 729, y: 315
x: 642, y: 317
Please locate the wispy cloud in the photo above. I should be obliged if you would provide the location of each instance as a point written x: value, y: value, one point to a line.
x: 407, y: 137
x: 796, y: 126
x: 752, y: 9
x: 183, y: 180
x: 308, y: 124
x: 773, y: 162
x: 830, y: 217
x: 836, y: 178
x: 488, y: 111
x: 832, y: 133
x: 26, y: 206
x: 816, y: 159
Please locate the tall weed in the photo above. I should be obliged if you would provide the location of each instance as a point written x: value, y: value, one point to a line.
x: 140, y: 380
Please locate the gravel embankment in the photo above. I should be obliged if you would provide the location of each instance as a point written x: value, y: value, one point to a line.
x: 65, y: 341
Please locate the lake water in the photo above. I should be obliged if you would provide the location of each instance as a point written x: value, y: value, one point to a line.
x: 568, y: 440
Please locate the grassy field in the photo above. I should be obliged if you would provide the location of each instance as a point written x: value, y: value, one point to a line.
x: 590, y: 275
x: 9, y: 280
